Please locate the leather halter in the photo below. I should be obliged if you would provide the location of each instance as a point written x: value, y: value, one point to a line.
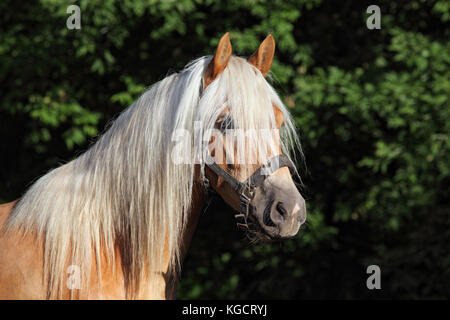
x: 246, y: 190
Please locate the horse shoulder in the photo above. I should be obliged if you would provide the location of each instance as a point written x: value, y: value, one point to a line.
x: 20, y: 262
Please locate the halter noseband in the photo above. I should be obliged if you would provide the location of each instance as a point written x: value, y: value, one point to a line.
x: 246, y: 190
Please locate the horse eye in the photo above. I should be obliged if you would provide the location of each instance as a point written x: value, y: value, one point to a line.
x: 226, y: 123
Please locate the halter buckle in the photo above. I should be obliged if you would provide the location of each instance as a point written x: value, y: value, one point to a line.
x: 205, y: 182
x: 246, y: 195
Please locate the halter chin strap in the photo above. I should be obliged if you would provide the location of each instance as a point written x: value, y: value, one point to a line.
x: 246, y: 190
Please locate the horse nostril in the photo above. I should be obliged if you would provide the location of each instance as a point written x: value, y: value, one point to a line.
x: 266, y: 215
x: 281, y: 210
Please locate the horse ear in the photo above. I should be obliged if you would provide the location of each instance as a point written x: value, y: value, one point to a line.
x: 219, y: 61
x: 262, y: 58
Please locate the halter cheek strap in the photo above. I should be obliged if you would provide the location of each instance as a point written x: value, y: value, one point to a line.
x: 246, y: 190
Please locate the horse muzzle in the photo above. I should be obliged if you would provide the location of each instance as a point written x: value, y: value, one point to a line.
x: 279, y: 208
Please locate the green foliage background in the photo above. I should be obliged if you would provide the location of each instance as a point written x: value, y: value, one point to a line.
x: 372, y: 107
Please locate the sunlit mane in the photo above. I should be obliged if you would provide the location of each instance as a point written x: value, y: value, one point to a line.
x: 125, y: 195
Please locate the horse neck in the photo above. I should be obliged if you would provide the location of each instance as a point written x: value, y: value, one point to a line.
x: 198, y: 201
x: 197, y: 206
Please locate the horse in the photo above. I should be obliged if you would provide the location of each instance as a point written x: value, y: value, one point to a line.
x: 117, y: 221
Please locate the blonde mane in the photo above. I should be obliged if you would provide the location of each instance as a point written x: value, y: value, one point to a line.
x: 125, y: 192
